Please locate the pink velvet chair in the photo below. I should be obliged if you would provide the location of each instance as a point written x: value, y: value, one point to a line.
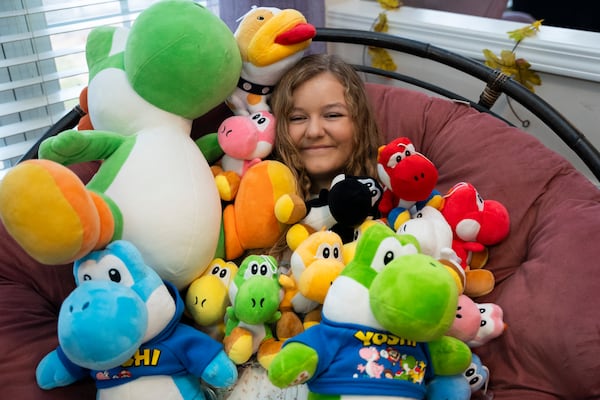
x: 546, y: 269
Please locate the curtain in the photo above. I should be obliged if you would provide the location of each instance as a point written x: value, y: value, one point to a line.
x: 313, y: 10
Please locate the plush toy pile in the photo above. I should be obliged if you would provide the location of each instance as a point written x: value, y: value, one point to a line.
x: 379, y: 299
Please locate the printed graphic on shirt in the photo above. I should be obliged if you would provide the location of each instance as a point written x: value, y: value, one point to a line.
x: 141, y: 358
x: 385, y: 356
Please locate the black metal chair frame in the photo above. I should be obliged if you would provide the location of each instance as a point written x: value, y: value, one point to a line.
x: 496, y: 83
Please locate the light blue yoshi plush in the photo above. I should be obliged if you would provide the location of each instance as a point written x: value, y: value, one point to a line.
x: 121, y: 325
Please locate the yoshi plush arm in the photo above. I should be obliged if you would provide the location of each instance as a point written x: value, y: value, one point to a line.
x: 52, y: 372
x: 294, y: 364
x: 74, y: 146
x: 209, y: 147
x: 220, y: 372
x: 449, y: 356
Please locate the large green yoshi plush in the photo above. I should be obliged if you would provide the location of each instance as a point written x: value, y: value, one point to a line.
x: 383, y: 326
x: 154, y: 187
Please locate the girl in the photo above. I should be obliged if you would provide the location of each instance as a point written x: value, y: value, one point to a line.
x: 325, y: 125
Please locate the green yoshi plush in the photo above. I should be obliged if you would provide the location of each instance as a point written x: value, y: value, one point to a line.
x: 255, y: 294
x: 383, y: 326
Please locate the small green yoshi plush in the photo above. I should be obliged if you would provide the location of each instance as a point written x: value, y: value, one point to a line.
x: 255, y: 294
x: 383, y: 326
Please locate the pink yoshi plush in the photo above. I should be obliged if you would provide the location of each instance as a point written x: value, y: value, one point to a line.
x: 477, y: 323
x: 245, y: 140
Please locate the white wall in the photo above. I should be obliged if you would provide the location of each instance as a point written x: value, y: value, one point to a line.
x: 568, y: 62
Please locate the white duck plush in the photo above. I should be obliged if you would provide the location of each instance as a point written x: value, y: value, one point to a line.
x: 434, y: 235
x: 431, y: 230
x: 270, y: 41
x: 154, y: 187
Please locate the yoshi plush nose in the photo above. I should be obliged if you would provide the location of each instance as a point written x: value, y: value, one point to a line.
x: 101, y: 324
x: 257, y: 300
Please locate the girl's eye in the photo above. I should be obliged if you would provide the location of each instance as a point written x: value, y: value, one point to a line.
x: 333, y: 115
x: 295, y: 118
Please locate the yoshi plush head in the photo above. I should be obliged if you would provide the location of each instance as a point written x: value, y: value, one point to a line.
x: 207, y: 296
x: 315, y: 264
x: 270, y: 41
x: 178, y: 58
x: 390, y: 286
x: 255, y: 293
x: 195, y: 74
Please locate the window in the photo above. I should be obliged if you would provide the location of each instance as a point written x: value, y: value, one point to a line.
x: 43, y: 68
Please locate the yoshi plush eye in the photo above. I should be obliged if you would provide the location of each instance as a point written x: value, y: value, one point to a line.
x: 256, y: 268
x: 388, y: 250
x: 326, y: 251
x: 108, y: 268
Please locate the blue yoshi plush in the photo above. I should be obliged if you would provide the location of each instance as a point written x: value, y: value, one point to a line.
x: 121, y: 325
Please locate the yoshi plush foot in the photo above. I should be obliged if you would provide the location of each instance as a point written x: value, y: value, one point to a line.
x: 296, y: 234
x: 288, y: 325
x: 267, y: 351
x: 228, y: 183
x: 397, y: 217
x: 51, y: 214
x: 290, y: 209
x: 478, y: 259
x: 479, y: 282
x: 436, y: 201
x: 238, y: 345
x: 312, y: 318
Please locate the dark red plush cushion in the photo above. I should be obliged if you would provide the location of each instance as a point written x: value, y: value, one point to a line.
x: 546, y: 269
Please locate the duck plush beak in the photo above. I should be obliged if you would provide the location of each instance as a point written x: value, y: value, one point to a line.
x: 298, y: 34
x: 273, y: 35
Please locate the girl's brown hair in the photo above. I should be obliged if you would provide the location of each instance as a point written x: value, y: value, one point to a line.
x: 366, y: 135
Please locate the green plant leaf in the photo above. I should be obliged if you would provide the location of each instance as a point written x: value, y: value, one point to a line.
x: 380, y: 58
x: 390, y: 4
x: 525, y: 75
x: 527, y: 31
x: 517, y: 68
x: 381, y: 23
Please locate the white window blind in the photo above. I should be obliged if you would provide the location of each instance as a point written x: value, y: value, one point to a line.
x: 42, y: 65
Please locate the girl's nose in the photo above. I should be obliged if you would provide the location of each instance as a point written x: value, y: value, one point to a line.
x: 314, y: 128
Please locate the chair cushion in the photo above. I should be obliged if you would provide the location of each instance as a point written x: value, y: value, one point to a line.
x: 30, y: 298
x: 546, y: 269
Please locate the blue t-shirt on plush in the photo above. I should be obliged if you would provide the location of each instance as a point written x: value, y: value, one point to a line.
x: 176, y: 351
x: 359, y: 360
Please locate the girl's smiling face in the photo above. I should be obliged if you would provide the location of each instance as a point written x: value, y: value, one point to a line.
x: 321, y: 127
